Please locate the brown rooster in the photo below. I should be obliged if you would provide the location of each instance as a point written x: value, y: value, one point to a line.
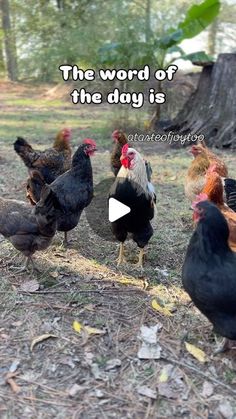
x: 50, y: 163
x: 120, y: 140
x: 203, y: 158
x: 214, y: 191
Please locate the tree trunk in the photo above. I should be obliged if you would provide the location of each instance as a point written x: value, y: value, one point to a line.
x: 10, y: 47
x: 212, y: 34
x: 148, y: 20
x: 211, y: 110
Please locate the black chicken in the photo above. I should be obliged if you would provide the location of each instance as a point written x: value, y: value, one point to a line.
x: 29, y: 230
x: 209, y: 271
x: 74, y: 189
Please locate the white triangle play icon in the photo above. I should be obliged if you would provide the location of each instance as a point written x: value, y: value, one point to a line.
x: 117, y: 210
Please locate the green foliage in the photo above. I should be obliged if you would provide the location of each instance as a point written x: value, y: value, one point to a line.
x: 197, y: 19
x: 93, y: 33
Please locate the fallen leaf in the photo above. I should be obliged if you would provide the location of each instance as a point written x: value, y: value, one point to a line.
x: 171, y: 384
x: 147, y: 391
x: 30, y: 286
x: 196, y: 352
x: 112, y: 363
x: 162, y: 310
x: 74, y: 390
x: 93, y: 330
x: 149, y: 334
x: 207, y: 389
x: 54, y: 274
x: 148, y: 351
x: 165, y: 390
x: 225, y: 410
x: 98, y: 393
x: 163, y: 378
x: 77, y: 326
x: 39, y: 339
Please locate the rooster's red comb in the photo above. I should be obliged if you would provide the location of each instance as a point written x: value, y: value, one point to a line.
x: 89, y: 141
x: 125, y: 149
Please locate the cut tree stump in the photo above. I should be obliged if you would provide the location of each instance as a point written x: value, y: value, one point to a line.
x: 211, y: 109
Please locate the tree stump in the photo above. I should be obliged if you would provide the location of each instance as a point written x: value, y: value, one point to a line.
x: 211, y: 109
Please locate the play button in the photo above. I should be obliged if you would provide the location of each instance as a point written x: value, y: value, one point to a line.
x: 117, y: 210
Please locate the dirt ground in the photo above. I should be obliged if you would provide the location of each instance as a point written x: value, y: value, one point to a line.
x: 100, y: 372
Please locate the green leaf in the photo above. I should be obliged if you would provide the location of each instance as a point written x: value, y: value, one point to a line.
x: 197, y: 19
x: 198, y: 57
x: 171, y: 39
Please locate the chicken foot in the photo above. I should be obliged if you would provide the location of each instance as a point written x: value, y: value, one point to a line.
x: 226, y: 345
x: 121, y: 258
x: 25, y: 267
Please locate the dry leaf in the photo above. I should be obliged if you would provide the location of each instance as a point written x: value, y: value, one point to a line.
x: 39, y: 339
x: 148, y: 351
x: 30, y: 286
x: 207, y: 389
x: 54, y: 274
x: 147, y: 391
x: 162, y: 310
x: 225, y: 410
x: 75, y: 389
x: 113, y: 363
x: 93, y: 330
x: 149, y: 334
x: 77, y: 326
x: 171, y: 384
x: 163, y: 378
x: 196, y: 352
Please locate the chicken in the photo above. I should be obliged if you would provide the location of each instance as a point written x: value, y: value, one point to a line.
x: 34, y: 186
x: 230, y: 192
x: 213, y: 189
x: 209, y: 270
x: 29, y: 229
x: 49, y: 163
x: 132, y: 188
x: 74, y: 189
x: 195, y: 179
x: 120, y: 140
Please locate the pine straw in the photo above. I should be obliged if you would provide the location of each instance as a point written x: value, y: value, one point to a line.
x: 84, y: 284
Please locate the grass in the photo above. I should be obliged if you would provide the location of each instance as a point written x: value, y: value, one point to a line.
x: 88, y: 287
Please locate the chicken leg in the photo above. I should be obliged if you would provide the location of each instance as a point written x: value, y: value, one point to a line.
x: 65, y: 241
x: 121, y: 258
x: 139, y: 264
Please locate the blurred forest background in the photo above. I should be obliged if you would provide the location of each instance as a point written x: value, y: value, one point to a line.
x: 37, y: 36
